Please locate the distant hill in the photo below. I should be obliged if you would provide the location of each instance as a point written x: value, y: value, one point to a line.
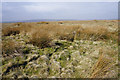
x: 36, y: 20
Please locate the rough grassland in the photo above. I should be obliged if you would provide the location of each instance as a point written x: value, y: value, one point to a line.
x: 60, y: 49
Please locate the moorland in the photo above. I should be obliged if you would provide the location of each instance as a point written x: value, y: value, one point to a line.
x: 60, y: 49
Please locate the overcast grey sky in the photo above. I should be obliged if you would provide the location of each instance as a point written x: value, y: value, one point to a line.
x: 12, y: 11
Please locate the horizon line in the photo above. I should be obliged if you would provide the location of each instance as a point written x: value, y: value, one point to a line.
x: 40, y: 20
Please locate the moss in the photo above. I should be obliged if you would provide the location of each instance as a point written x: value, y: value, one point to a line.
x: 51, y: 72
x: 91, y: 42
x: 26, y: 50
x: 17, y: 58
x: 63, y: 63
x: 21, y: 61
x: 46, y: 51
x: 119, y: 75
x: 5, y: 62
x: 29, y: 72
x: 63, y: 58
x: 40, y: 52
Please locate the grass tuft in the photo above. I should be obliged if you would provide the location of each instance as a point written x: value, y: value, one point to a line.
x: 41, y: 39
x: 104, y: 64
x: 9, y: 47
x: 10, y: 31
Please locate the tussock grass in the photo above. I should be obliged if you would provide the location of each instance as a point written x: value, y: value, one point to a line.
x: 10, y: 31
x: 41, y: 39
x: 104, y: 64
x: 66, y: 32
x: 9, y: 47
x: 95, y: 33
x: 26, y: 27
x: 101, y: 67
x: 62, y: 32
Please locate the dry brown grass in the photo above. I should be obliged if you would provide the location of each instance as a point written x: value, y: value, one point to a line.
x: 41, y: 39
x: 94, y: 33
x: 67, y: 32
x: 41, y: 36
x: 9, y: 47
x: 104, y: 64
x: 26, y: 27
x: 59, y: 32
x: 62, y: 32
x: 100, y: 68
x: 10, y: 31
